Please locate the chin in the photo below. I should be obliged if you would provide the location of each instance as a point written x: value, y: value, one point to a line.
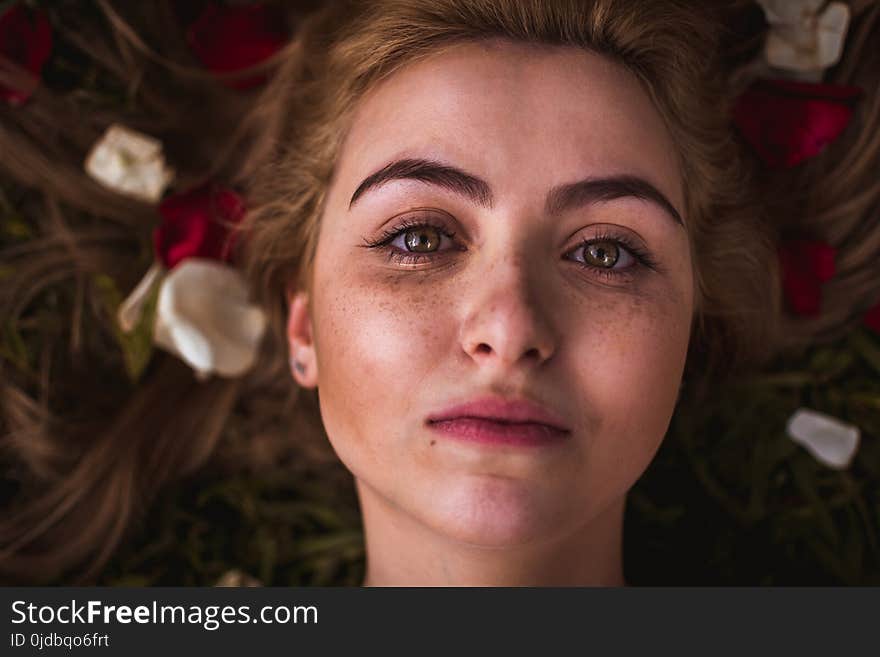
x: 497, y: 512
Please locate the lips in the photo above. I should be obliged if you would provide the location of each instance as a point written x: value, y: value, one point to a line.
x: 495, y: 420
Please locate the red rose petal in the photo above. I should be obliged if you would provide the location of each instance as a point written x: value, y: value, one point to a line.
x: 872, y: 318
x: 26, y: 41
x: 227, y: 39
x: 810, y: 89
x: 820, y: 257
x: 787, y: 122
x: 196, y: 223
x: 805, y: 265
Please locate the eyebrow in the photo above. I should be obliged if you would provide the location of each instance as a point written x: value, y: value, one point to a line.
x: 559, y: 199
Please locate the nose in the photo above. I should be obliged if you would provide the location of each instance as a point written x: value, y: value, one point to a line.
x: 504, y: 322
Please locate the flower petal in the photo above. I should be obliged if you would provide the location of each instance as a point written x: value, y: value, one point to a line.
x: 789, y: 11
x: 26, y: 41
x: 197, y: 224
x: 131, y: 309
x: 205, y: 318
x: 804, y: 266
x: 872, y: 318
x: 236, y: 577
x: 227, y: 39
x: 130, y: 163
x: 185, y: 341
x: 787, y: 122
x: 809, y: 46
x: 830, y: 441
x: 833, y: 26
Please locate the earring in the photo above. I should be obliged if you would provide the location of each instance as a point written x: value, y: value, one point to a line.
x: 299, y: 367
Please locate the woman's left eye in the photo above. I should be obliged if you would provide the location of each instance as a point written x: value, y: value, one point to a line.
x: 605, y: 254
x: 610, y: 257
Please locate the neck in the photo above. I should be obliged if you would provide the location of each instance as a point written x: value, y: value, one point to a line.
x: 401, y: 551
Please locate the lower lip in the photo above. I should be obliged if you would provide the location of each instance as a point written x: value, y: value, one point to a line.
x: 478, y: 430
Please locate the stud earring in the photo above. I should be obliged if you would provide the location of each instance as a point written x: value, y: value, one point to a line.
x: 299, y: 367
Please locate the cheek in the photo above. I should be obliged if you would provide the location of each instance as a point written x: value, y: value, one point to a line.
x: 378, y: 330
x: 377, y: 340
x: 627, y: 365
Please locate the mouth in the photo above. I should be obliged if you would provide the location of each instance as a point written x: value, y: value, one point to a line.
x: 493, y: 431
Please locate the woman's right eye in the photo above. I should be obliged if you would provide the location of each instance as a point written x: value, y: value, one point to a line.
x: 417, y: 244
x: 414, y: 241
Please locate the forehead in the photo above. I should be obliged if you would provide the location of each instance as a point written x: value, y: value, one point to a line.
x: 525, y: 117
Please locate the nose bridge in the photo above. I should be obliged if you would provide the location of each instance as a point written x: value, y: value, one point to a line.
x: 509, y: 275
x: 506, y: 319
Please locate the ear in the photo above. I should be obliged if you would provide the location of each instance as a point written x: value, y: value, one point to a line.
x: 303, y: 361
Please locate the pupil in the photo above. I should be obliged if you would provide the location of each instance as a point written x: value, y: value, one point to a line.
x: 605, y: 256
x: 422, y: 240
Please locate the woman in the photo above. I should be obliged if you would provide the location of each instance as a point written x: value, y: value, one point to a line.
x: 521, y: 229
x: 492, y: 237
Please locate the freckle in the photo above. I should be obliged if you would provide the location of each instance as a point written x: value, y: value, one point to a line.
x: 427, y: 333
x: 387, y: 307
x: 433, y: 442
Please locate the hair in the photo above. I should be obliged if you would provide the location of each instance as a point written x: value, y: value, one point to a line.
x: 88, y: 450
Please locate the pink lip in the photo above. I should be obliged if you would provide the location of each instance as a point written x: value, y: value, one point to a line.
x: 494, y: 420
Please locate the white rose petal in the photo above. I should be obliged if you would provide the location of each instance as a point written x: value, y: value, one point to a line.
x: 130, y: 310
x: 790, y: 11
x: 205, y: 318
x: 830, y: 441
x: 235, y: 577
x: 130, y: 163
x: 801, y: 42
x: 833, y: 26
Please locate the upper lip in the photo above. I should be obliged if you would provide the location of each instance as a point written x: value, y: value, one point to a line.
x: 502, y: 409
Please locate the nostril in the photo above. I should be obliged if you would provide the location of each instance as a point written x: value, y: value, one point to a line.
x: 483, y: 348
x: 533, y: 353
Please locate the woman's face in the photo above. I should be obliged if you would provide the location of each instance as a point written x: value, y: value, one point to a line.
x: 509, y: 279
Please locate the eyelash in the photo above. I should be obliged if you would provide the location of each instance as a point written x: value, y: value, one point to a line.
x: 641, y: 256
